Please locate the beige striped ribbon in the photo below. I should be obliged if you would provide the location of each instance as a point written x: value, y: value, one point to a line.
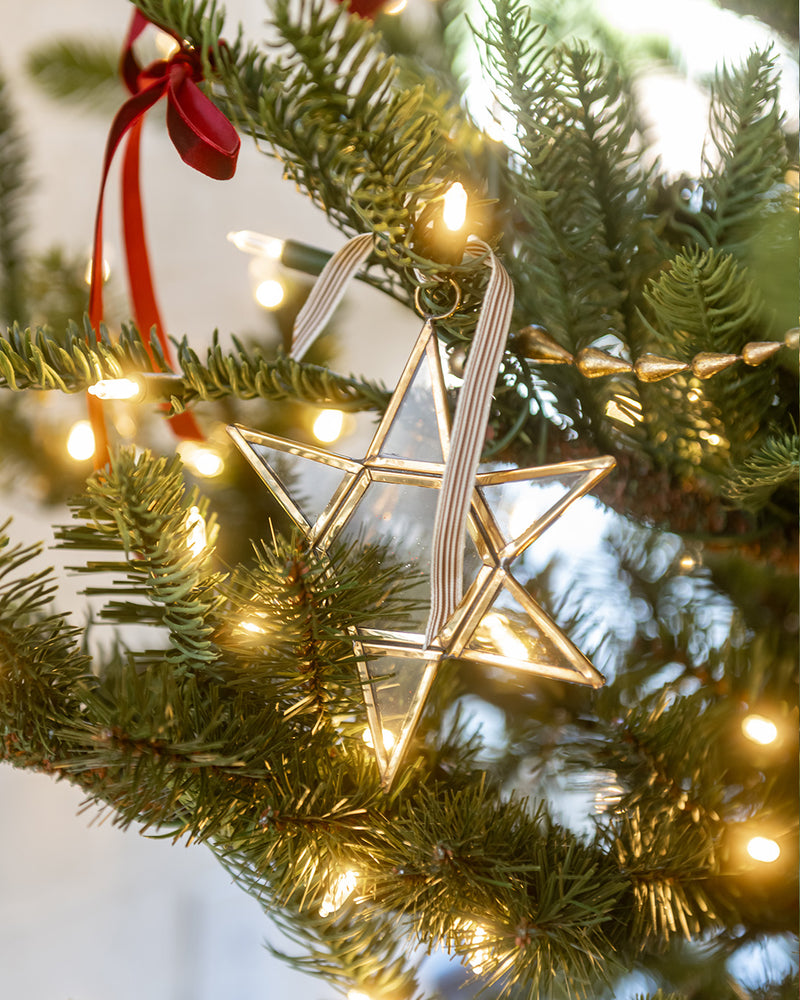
x: 328, y: 291
x: 466, y: 441
x: 472, y: 413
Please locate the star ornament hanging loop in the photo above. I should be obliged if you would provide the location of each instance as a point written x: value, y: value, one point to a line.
x: 390, y: 496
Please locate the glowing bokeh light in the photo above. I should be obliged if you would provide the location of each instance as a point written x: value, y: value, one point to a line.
x: 270, y: 293
x: 328, y: 425
x: 759, y: 729
x: 80, y: 441
x: 763, y: 849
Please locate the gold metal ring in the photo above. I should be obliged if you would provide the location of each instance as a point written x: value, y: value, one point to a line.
x: 444, y: 315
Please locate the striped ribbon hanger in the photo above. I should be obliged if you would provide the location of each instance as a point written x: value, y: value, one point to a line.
x: 472, y: 412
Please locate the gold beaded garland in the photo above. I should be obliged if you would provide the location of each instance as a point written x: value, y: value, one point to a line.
x: 534, y: 343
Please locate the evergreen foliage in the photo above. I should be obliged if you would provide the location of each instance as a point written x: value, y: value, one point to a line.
x: 237, y: 721
x: 13, y: 187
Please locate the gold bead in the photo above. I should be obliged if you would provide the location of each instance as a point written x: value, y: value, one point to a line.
x: 593, y: 363
x: 457, y: 361
x: 652, y: 367
x: 759, y: 350
x: 535, y: 343
x: 792, y: 338
x: 705, y: 365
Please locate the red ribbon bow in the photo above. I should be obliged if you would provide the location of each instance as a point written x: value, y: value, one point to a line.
x: 204, y: 138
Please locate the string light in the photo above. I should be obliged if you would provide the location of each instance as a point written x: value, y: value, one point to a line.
x: 759, y: 729
x: 196, y: 538
x: 80, y: 441
x: 396, y: 8
x: 687, y: 562
x: 257, y: 244
x: 454, y: 212
x: 338, y: 894
x: 328, y: 425
x: 115, y: 388
x: 270, y: 293
x: 763, y: 849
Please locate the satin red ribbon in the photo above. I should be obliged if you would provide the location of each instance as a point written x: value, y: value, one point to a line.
x: 204, y: 138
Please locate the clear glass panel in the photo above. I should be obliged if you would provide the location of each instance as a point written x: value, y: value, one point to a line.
x: 508, y: 630
x: 309, y: 483
x: 399, y: 518
x: 414, y: 432
x: 396, y: 682
x: 516, y: 506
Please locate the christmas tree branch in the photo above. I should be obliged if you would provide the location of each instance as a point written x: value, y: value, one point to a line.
x: 13, y: 187
x: 73, y: 362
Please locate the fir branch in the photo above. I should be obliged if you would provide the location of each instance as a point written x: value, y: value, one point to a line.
x: 743, y: 179
x: 140, y: 509
x: 72, y: 362
x: 706, y: 302
x: 13, y: 188
x: 45, y: 681
x: 582, y: 235
x: 287, y: 623
x: 249, y: 376
x: 329, y: 104
x: 769, y: 468
x: 79, y: 71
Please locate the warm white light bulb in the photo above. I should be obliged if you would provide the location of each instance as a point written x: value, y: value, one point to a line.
x: 257, y: 243
x: 396, y: 8
x: 338, y: 894
x: 80, y: 441
x: 759, y: 729
x: 328, y: 425
x: 115, y: 388
x: 763, y: 849
x: 196, y: 539
x: 687, y: 562
x: 454, y: 213
x: 270, y: 293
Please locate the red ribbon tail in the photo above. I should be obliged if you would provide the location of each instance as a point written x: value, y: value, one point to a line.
x: 140, y: 278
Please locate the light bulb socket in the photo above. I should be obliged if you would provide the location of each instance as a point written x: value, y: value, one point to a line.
x: 302, y: 257
x: 159, y: 386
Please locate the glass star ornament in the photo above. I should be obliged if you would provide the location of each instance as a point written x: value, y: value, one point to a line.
x: 390, y: 497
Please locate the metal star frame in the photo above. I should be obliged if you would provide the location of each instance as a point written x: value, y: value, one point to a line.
x: 497, y: 623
